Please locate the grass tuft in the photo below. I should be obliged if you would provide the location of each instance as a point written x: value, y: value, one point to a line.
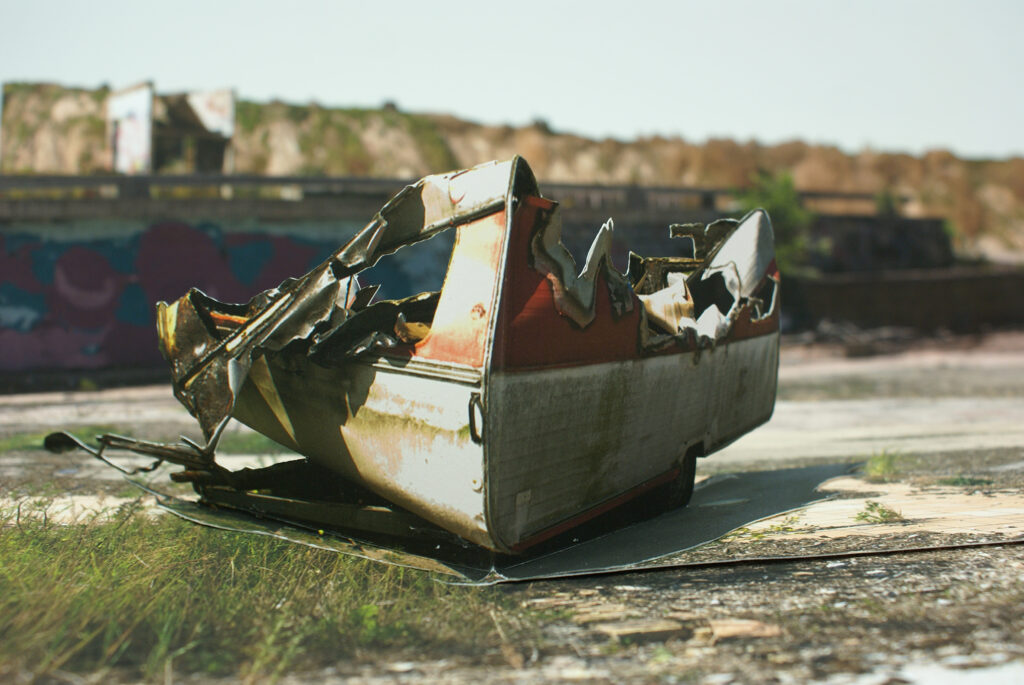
x: 34, y: 441
x: 881, y: 467
x: 876, y: 512
x: 966, y: 481
x: 150, y: 595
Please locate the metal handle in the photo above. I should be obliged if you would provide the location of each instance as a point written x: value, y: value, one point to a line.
x: 476, y: 405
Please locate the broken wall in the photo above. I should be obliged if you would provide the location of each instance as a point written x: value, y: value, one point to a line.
x: 963, y: 300
x: 877, y: 243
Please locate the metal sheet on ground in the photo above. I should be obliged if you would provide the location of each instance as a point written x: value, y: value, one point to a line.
x: 817, y: 511
x: 721, y: 504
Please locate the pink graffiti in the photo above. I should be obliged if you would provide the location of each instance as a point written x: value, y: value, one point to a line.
x: 16, y: 266
x: 174, y: 257
x: 86, y: 289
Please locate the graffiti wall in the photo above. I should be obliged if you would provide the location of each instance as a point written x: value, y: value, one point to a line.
x: 82, y: 295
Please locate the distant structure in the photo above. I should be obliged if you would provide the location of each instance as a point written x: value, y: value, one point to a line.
x: 178, y: 133
x: 130, y: 129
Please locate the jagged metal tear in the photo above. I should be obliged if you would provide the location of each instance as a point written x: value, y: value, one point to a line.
x: 208, y: 374
x: 574, y: 294
x: 743, y: 259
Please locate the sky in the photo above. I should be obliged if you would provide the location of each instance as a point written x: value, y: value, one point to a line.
x: 893, y: 75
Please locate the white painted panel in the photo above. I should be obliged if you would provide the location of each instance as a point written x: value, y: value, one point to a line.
x: 402, y: 435
x: 414, y: 434
x: 573, y: 438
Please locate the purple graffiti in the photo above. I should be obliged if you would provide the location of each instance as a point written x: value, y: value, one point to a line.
x: 89, y: 303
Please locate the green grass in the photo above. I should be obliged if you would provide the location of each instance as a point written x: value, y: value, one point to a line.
x: 33, y: 441
x: 247, y: 115
x: 240, y: 442
x: 784, y: 527
x: 145, y: 595
x: 964, y: 481
x: 881, y: 466
x: 876, y: 512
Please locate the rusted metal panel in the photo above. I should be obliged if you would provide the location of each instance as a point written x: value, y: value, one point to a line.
x: 458, y: 332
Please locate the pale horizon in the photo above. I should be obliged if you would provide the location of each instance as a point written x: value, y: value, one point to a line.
x: 905, y: 77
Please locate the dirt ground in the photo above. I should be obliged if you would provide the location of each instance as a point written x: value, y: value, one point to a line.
x: 939, y: 425
x: 908, y: 618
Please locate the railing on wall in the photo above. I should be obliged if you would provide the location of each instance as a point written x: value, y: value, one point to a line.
x: 298, y: 188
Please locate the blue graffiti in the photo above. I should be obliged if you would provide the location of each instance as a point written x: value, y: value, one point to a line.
x: 134, y: 306
x: 247, y: 261
x: 20, y: 310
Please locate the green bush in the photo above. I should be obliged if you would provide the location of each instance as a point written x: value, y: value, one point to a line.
x: 791, y: 222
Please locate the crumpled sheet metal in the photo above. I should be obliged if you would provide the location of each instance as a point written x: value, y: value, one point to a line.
x: 740, y: 260
x: 574, y: 293
x: 208, y: 374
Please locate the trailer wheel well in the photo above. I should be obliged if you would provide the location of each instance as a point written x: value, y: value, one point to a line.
x: 681, y: 488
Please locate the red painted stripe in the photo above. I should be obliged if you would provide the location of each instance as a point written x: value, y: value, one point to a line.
x: 531, y: 335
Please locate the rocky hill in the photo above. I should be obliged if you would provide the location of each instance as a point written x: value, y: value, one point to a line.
x: 52, y: 129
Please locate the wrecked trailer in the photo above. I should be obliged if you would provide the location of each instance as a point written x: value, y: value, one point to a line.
x: 516, y: 402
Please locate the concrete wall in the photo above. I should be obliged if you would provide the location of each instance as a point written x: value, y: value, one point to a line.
x: 958, y: 299
x: 880, y: 243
